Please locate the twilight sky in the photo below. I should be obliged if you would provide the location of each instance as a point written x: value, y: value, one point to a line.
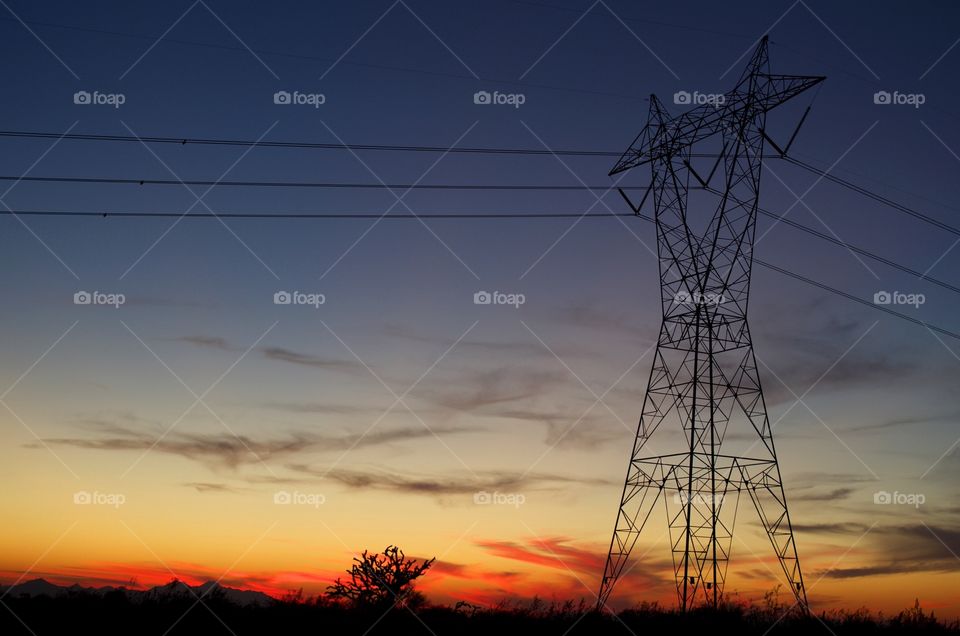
x: 383, y: 412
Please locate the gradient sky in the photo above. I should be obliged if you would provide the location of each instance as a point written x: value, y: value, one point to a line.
x: 399, y: 399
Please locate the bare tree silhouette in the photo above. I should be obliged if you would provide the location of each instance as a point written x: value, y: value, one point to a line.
x: 381, y: 579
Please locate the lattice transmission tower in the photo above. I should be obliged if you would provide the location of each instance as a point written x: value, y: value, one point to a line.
x: 703, y: 399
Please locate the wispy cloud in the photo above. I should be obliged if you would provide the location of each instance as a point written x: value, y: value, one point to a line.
x: 310, y: 360
x: 278, y: 354
x: 446, y: 485
x: 833, y: 528
x: 209, y: 342
x: 907, y: 548
x: 836, y: 494
x: 201, y: 486
x: 491, y: 387
x: 904, y: 422
x: 223, y: 450
x: 322, y: 408
x: 562, y: 428
x: 590, y: 315
x: 520, y: 348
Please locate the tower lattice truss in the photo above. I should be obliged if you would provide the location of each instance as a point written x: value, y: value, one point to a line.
x: 704, y: 437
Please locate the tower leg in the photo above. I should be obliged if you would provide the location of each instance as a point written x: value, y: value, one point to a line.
x: 766, y: 491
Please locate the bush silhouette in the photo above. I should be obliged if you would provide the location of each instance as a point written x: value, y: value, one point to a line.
x: 381, y: 580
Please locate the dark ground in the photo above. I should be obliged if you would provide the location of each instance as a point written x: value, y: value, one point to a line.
x: 114, y: 614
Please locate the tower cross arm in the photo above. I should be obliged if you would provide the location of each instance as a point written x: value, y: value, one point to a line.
x: 664, y: 139
x: 777, y: 89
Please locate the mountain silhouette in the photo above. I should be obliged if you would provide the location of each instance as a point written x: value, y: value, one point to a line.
x: 172, y: 590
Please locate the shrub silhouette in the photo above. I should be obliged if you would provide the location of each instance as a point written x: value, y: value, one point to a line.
x: 381, y: 580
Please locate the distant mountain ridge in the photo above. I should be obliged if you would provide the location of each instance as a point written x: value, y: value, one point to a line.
x: 174, y: 589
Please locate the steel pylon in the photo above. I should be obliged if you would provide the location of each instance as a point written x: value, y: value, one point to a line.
x: 704, y: 382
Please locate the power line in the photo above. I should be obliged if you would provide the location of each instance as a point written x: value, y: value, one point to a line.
x: 317, y: 215
x: 426, y: 186
x: 430, y: 149
x: 873, y: 195
x: 853, y: 248
x: 307, y: 145
x: 840, y: 292
x: 454, y: 216
x: 471, y: 150
x: 887, y: 184
x: 312, y: 184
x: 857, y: 299
x: 420, y: 148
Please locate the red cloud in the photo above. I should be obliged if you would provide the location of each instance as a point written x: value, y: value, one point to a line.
x: 552, y: 552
